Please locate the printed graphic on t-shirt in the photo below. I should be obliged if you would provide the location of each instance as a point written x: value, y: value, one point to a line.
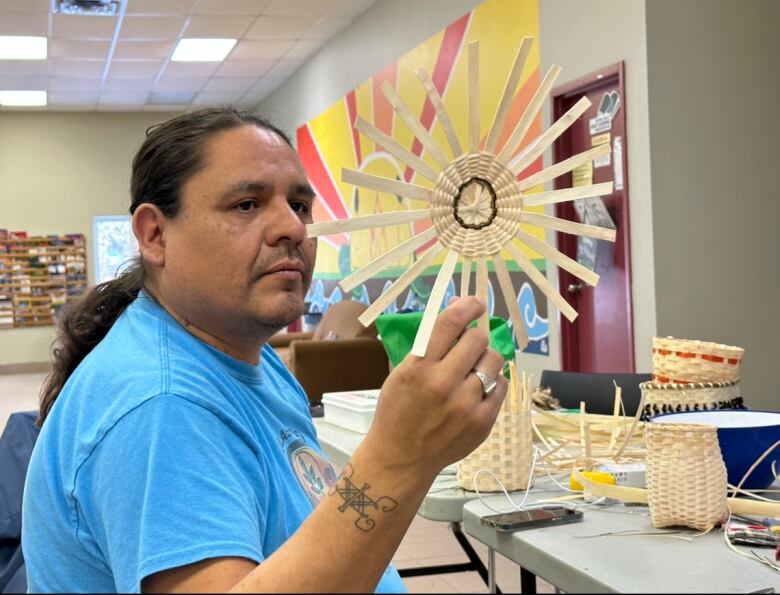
x: 314, y: 473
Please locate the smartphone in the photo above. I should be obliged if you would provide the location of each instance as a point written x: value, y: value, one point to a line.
x: 532, y: 519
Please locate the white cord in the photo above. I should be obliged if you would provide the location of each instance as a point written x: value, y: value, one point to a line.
x: 522, y: 505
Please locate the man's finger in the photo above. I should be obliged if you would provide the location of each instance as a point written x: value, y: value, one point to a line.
x: 450, y: 325
x: 460, y: 361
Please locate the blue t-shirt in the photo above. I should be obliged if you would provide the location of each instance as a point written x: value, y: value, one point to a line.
x: 162, y: 451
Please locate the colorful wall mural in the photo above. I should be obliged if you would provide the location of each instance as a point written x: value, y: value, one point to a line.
x: 328, y: 143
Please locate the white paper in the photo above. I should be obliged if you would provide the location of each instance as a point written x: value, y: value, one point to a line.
x: 617, y: 149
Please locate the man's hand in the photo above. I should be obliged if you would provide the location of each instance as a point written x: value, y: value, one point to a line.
x: 431, y: 410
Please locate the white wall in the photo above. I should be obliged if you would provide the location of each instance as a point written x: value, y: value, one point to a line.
x: 378, y: 37
x: 57, y: 171
x: 714, y: 73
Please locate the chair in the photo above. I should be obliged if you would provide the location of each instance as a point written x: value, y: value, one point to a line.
x: 340, y: 355
x: 597, y: 390
x: 16, y: 444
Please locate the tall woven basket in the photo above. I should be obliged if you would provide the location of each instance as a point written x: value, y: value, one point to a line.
x: 685, y: 475
x: 671, y: 397
x: 686, y: 361
x: 507, y: 452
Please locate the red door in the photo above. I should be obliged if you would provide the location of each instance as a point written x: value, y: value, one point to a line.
x: 601, y: 339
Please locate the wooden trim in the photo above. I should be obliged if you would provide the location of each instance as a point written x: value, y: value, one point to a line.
x: 25, y: 368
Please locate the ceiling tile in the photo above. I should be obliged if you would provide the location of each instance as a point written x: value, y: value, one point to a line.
x: 73, y: 98
x: 173, y: 69
x: 284, y: 68
x: 218, y: 26
x: 326, y: 27
x: 75, y: 26
x: 25, y: 6
x: 25, y: 67
x: 135, y: 69
x: 173, y: 85
x: 143, y: 50
x: 297, y: 7
x: 280, y: 27
x: 233, y: 85
x: 123, y: 98
x: 231, y: 7
x: 76, y: 49
x: 347, y: 8
x: 157, y: 27
x: 73, y: 84
x: 169, y: 7
x: 24, y: 23
x: 260, y: 50
x: 24, y: 83
x: 88, y: 69
x: 125, y: 85
x: 216, y: 98
x: 244, y: 68
x: 303, y: 49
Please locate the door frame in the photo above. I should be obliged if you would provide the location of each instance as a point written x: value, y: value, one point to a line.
x: 567, y: 244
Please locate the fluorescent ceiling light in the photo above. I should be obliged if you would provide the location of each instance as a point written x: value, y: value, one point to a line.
x: 22, y: 48
x: 22, y: 98
x: 202, y: 50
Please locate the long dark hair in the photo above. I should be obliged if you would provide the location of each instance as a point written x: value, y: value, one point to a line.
x: 170, y: 155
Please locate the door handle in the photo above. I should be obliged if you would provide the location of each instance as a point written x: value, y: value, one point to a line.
x: 575, y: 287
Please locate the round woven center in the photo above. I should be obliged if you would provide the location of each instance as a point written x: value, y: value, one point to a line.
x: 476, y: 205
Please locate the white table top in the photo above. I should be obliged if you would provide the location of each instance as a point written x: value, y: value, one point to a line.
x: 569, y: 558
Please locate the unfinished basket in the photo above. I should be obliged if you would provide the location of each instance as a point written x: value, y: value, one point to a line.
x: 686, y: 361
x: 480, y: 199
x: 671, y: 397
x: 686, y: 476
x: 506, y: 453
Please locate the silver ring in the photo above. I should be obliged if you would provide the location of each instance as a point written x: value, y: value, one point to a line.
x: 488, y: 384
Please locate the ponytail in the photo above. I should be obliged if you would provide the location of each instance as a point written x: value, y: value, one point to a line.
x: 82, y: 324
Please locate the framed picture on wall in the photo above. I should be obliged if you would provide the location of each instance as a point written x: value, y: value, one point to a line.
x: 114, y: 246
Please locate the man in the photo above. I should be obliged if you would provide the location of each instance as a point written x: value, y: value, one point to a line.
x: 177, y: 454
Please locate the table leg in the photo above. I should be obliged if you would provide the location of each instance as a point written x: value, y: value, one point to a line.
x: 491, y: 570
x: 527, y: 582
x: 474, y: 564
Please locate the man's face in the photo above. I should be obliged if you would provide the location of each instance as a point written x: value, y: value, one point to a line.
x: 237, y: 259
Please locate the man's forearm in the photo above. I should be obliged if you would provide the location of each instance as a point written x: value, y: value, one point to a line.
x: 350, y: 538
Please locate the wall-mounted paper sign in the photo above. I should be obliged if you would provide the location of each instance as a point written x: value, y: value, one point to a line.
x: 600, y: 139
x: 617, y: 149
x: 591, y: 253
x: 593, y: 211
x: 599, y: 124
x: 582, y: 175
x: 603, y: 161
x: 608, y: 107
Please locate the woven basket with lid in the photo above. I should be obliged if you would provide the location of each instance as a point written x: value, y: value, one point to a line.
x: 686, y: 476
x: 686, y: 361
x: 671, y: 397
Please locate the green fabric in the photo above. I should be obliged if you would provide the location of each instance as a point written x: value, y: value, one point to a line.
x: 397, y: 332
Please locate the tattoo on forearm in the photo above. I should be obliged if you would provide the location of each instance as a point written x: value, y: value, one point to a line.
x: 356, y: 499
